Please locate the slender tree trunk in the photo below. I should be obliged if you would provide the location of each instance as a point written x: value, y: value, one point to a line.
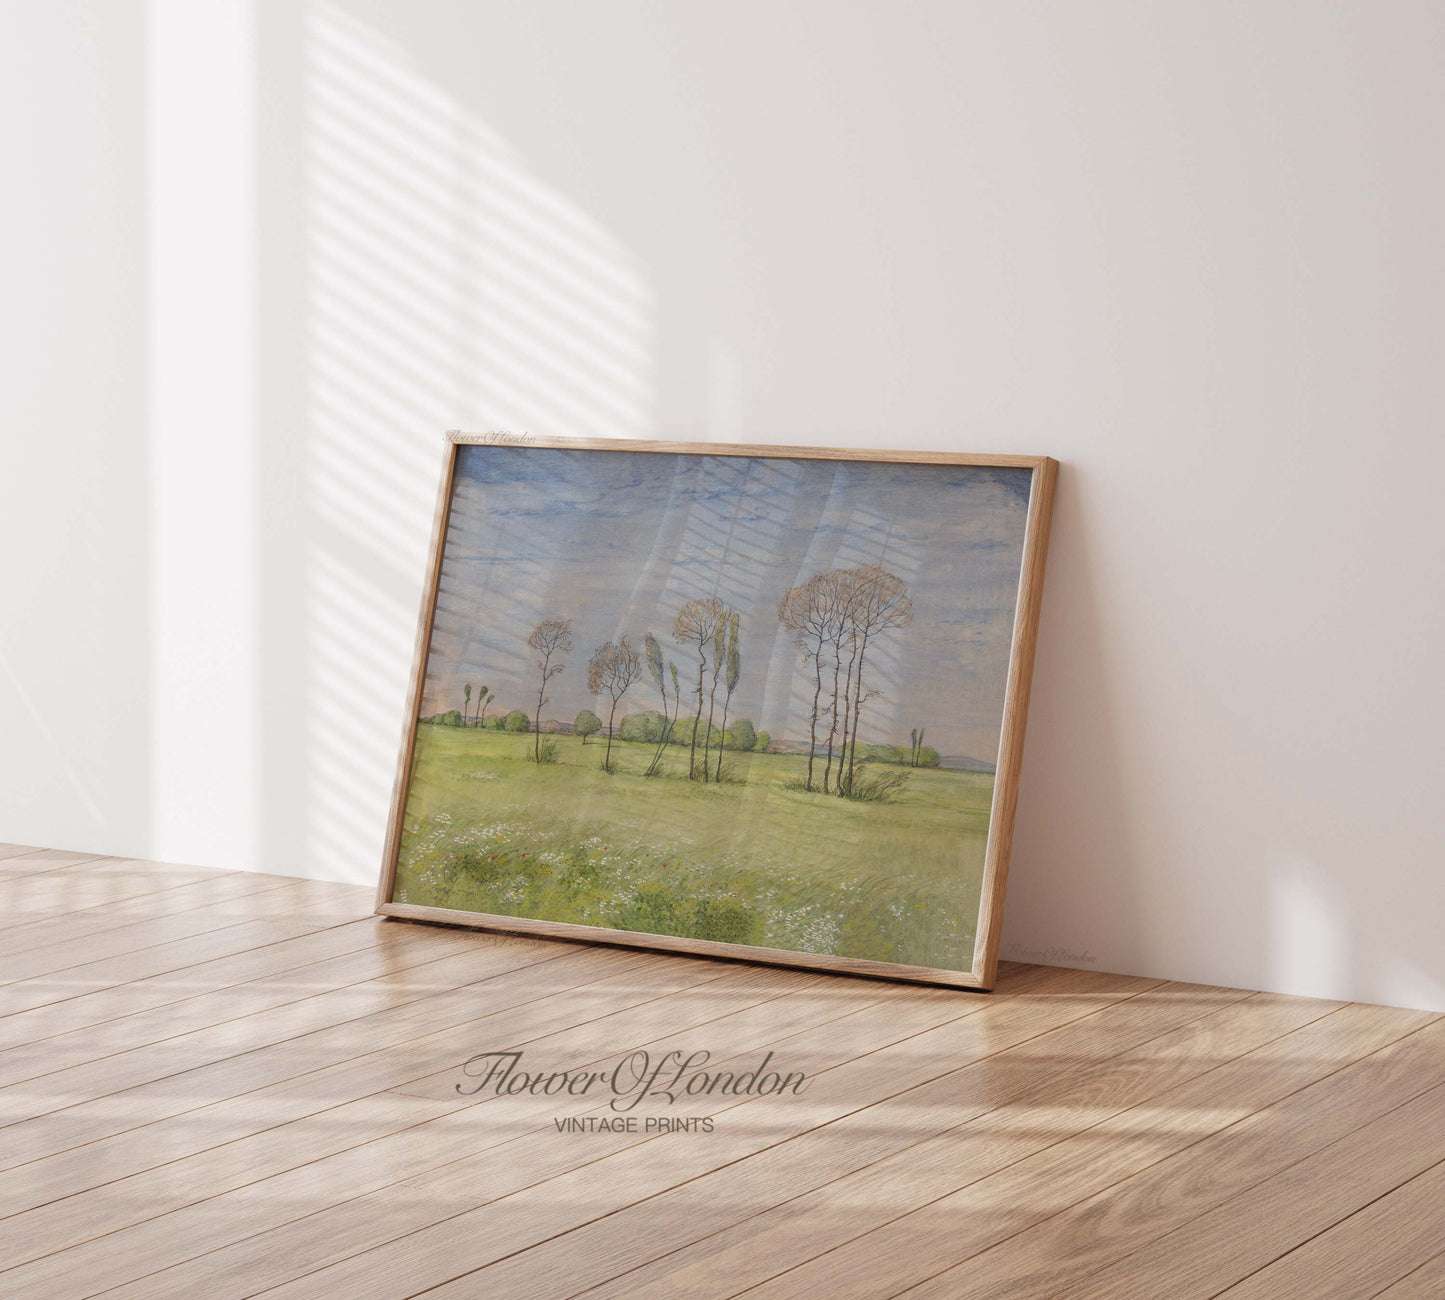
x: 723, y: 734
x: 669, y: 725
x: 833, y: 719
x: 857, y: 708
x: 537, y: 725
x: 707, y: 736
x: 697, y: 721
x: 847, y: 707
x: 666, y: 734
x: 817, y: 695
x: 607, y: 761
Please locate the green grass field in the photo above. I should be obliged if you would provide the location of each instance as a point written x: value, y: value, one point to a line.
x: 746, y: 861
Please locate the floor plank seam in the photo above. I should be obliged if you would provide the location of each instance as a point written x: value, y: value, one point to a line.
x: 304, y: 996
x: 1082, y: 1277
x: 1203, y: 1015
x: 43, y: 942
x: 214, y: 1101
x: 431, y: 1169
x: 726, y: 1164
x: 175, y: 970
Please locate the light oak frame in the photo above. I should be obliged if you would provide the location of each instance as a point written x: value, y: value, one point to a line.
x: 1011, y: 741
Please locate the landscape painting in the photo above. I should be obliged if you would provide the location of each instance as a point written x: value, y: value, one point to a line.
x: 751, y: 701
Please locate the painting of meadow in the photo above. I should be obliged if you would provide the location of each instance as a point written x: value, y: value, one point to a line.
x: 750, y: 700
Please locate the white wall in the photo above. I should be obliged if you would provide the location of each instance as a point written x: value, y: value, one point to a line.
x: 259, y: 255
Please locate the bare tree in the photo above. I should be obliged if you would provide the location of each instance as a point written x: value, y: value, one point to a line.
x: 656, y: 670
x: 551, y: 637
x: 809, y: 613
x: 719, y: 653
x: 733, y: 658
x: 834, y: 616
x: 698, y: 623
x: 844, y: 631
x: 612, y: 671
x: 880, y: 602
x: 837, y: 591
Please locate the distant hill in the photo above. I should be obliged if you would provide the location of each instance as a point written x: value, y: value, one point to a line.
x: 963, y: 763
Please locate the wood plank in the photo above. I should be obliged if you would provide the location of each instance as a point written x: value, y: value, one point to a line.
x: 79, y: 886
x: 1426, y: 1283
x: 742, y: 1009
x: 391, y: 952
x: 272, y: 899
x: 815, y: 1012
x: 497, y: 1226
x: 284, y: 1119
x: 18, y: 850
x: 318, y: 906
x: 1043, y: 1260
x: 1053, y: 1105
x: 112, y: 916
x: 121, y: 1000
x: 58, y: 1223
x: 1378, y: 1245
x: 32, y: 862
x: 991, y: 1209
x: 717, y: 1200
x: 211, y: 1045
x: 1250, y: 1231
x: 397, y: 1018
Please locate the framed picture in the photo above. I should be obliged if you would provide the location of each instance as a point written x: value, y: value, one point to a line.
x: 754, y: 702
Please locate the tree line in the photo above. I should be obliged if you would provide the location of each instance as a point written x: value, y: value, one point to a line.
x: 645, y: 727
x: 706, y: 627
x: 834, y: 618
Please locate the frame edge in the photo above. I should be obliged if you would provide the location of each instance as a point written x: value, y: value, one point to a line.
x: 1015, y: 719
x: 548, y: 442
x: 782, y: 957
x: 982, y: 974
x: 417, y: 679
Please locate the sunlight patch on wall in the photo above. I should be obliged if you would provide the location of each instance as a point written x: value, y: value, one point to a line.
x: 447, y: 286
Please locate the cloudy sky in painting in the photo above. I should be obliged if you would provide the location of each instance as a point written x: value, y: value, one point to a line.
x: 619, y: 541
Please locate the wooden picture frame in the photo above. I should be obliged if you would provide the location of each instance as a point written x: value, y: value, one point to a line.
x: 979, y: 972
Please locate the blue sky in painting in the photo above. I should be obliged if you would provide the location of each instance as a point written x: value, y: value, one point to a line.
x: 619, y: 541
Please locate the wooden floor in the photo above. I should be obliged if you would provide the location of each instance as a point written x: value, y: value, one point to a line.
x: 216, y: 1085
